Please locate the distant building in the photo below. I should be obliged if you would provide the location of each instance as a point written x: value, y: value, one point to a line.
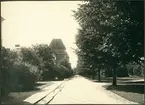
x: 17, y: 45
x: 60, y: 50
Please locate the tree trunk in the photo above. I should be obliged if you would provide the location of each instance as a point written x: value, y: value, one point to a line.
x: 99, y: 79
x: 114, y: 76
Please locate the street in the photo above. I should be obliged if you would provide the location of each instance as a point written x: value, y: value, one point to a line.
x: 78, y: 90
x: 82, y: 91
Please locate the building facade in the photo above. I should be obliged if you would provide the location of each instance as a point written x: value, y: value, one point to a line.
x: 59, y: 49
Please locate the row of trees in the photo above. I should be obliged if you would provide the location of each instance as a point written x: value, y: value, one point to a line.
x: 23, y: 67
x: 111, y: 34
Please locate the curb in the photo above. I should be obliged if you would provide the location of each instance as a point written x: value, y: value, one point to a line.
x: 48, y: 93
x: 53, y: 88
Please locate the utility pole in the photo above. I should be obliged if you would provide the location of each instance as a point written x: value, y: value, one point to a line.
x: 1, y: 71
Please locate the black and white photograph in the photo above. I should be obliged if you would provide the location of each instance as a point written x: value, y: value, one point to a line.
x: 72, y: 52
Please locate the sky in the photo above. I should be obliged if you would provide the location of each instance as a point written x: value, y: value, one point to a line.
x: 29, y: 22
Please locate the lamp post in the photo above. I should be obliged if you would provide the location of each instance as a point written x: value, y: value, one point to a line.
x: 1, y: 76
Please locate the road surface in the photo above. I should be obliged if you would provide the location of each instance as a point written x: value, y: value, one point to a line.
x: 79, y: 90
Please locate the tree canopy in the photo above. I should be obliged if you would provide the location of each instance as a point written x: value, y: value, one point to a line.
x: 111, y: 32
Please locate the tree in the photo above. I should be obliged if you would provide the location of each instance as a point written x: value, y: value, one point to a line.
x: 65, y: 63
x: 89, y: 38
x: 46, y: 55
x: 66, y: 67
x: 29, y: 55
x: 8, y: 58
x: 17, y: 71
x: 109, y: 30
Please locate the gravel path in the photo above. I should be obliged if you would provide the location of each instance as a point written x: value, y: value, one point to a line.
x: 83, y: 91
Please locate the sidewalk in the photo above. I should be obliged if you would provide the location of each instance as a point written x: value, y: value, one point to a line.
x: 44, y: 91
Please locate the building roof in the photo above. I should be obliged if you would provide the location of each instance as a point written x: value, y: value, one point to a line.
x: 57, y: 44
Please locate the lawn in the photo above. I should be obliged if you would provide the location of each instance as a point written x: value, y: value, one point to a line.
x: 18, y: 97
x: 130, y: 88
x: 132, y: 91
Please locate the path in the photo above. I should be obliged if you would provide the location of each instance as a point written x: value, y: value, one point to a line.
x: 83, y: 91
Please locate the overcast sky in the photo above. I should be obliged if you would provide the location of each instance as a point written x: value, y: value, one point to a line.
x: 28, y: 23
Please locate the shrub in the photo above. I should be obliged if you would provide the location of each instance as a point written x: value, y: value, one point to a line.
x: 65, y: 63
x: 108, y: 72
x: 29, y: 55
x: 24, y: 75
x: 45, y: 54
x: 8, y: 58
x: 135, y: 69
x: 122, y: 72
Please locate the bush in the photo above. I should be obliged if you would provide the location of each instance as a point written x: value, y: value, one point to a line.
x: 135, y: 69
x: 61, y: 72
x: 47, y: 61
x: 8, y: 58
x: 122, y: 72
x: 29, y: 55
x: 66, y: 72
x: 48, y: 75
x: 108, y: 72
x: 24, y: 75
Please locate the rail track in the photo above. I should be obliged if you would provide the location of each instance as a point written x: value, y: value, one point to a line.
x: 45, y: 100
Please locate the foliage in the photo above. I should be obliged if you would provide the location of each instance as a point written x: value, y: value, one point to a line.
x: 18, y: 72
x: 135, y: 69
x: 23, y: 67
x: 29, y: 55
x: 65, y: 63
x: 45, y: 53
x: 110, y: 34
x: 8, y: 58
x: 63, y: 71
x: 23, y: 75
x: 47, y: 59
x: 51, y: 70
x: 122, y: 71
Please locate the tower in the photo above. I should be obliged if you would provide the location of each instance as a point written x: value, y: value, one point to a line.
x: 60, y: 50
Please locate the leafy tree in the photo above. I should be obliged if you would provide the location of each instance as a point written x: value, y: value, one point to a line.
x: 8, y: 58
x: 65, y: 68
x: 29, y: 55
x: 23, y: 75
x: 109, y: 32
x: 65, y: 63
x: 16, y: 72
x: 46, y: 54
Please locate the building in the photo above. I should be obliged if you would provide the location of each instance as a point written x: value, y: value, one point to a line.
x: 59, y: 49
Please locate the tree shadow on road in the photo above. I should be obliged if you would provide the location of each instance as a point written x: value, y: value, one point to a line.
x: 132, y: 91
x: 119, y: 80
x: 40, y: 84
x: 102, y: 81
